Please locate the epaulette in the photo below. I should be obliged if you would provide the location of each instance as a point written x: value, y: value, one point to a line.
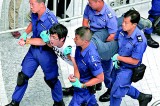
x: 109, y: 14
x: 122, y: 33
x: 50, y: 18
x: 139, y: 38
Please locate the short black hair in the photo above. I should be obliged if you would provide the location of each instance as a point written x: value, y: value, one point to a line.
x: 135, y: 16
x: 39, y: 1
x: 60, y: 30
x: 84, y: 33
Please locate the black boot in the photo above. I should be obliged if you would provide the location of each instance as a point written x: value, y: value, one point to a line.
x: 105, y: 97
x: 98, y: 86
x: 151, y: 42
x: 68, y: 91
x: 13, y: 103
x: 144, y: 99
x: 60, y: 103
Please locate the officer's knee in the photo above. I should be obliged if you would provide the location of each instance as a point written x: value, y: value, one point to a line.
x: 22, y: 78
x: 51, y: 82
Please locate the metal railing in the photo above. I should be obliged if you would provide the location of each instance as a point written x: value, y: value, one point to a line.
x: 156, y: 103
x: 118, y: 5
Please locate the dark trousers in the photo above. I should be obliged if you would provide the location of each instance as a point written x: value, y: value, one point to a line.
x: 60, y: 6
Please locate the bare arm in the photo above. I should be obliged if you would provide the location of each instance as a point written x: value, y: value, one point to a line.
x: 110, y: 37
x: 128, y: 60
x: 35, y: 41
x: 99, y: 78
x: 76, y: 71
x: 85, y: 22
x: 29, y: 28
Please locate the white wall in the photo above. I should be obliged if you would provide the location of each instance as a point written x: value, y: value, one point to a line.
x: 1, y: 1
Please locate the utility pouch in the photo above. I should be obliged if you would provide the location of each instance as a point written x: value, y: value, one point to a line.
x: 138, y: 73
x: 92, y: 89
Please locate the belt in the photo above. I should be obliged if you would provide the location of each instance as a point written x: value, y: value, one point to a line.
x: 41, y: 47
x: 34, y: 46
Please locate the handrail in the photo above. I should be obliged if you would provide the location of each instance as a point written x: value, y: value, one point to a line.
x: 80, y: 16
x: 156, y: 103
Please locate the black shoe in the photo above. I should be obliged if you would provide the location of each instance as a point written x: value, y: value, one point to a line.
x: 127, y: 1
x: 68, y: 91
x: 105, y: 97
x: 98, y: 86
x: 152, y: 43
x: 13, y: 103
x: 60, y: 103
x: 144, y: 99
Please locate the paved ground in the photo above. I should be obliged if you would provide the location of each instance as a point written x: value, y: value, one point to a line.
x: 38, y: 93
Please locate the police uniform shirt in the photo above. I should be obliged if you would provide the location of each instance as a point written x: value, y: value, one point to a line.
x: 155, y: 9
x: 47, y: 20
x: 60, y: 51
x: 106, y: 18
x: 88, y: 62
x: 131, y: 46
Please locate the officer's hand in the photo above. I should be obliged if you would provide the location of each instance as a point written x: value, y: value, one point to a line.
x: 23, y: 36
x: 72, y: 78
x: 67, y: 50
x: 114, y: 58
x: 77, y: 83
x: 45, y: 36
x: 116, y: 64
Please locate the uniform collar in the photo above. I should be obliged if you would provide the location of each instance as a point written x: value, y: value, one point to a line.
x: 44, y: 16
x: 134, y: 33
x: 86, y: 49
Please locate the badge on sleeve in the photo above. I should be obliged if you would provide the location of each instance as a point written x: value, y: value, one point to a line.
x: 139, y: 38
x: 93, y: 60
x: 110, y: 15
x: 122, y: 33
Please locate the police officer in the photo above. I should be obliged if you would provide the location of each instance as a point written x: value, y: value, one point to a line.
x: 101, y: 19
x: 42, y: 19
x: 154, y: 16
x: 132, y: 45
x: 89, y: 71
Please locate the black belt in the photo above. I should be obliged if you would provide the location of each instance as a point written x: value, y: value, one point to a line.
x: 45, y: 47
x: 34, y: 46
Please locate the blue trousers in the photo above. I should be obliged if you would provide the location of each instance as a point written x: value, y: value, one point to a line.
x: 83, y: 96
x: 107, y: 69
x: 47, y: 59
x: 121, y: 80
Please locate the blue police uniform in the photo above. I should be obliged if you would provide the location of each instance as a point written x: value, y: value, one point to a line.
x: 89, y: 66
x: 43, y: 56
x: 154, y: 13
x: 129, y: 46
x: 102, y: 24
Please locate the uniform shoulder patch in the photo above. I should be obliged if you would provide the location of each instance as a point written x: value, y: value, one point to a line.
x: 109, y: 14
x: 139, y: 38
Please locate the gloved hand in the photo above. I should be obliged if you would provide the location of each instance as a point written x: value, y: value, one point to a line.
x: 23, y: 36
x: 45, y: 36
x: 67, y: 50
x: 116, y: 64
x: 114, y: 58
x: 77, y: 83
